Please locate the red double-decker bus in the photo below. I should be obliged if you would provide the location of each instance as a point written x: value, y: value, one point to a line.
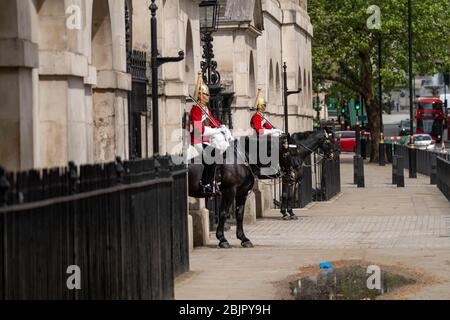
x: 430, y: 117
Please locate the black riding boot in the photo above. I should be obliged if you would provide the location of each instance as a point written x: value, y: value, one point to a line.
x: 208, y: 177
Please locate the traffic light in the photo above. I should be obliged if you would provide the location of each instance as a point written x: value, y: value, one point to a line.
x: 358, y: 105
x: 343, y: 109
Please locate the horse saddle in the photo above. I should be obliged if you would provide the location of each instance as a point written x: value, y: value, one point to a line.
x: 262, y: 154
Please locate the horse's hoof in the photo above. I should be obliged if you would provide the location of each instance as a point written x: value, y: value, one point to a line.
x: 294, y: 217
x: 224, y: 245
x: 286, y: 217
x: 247, y: 244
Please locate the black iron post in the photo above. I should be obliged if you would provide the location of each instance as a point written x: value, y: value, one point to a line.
x: 412, y: 149
x: 286, y: 94
x: 156, y: 63
x: 358, y: 134
x: 446, y: 83
x: 211, y: 76
x: 382, y: 149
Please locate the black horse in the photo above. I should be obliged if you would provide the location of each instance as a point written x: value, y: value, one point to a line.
x: 236, y: 182
x: 238, y: 179
x: 302, y: 145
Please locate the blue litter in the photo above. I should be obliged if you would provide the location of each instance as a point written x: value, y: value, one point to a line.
x: 326, y: 266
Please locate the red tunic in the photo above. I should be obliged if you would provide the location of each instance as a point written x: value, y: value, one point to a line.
x: 199, y: 121
x: 259, y: 124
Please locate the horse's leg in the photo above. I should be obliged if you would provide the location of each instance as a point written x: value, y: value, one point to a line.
x: 240, y: 208
x: 291, y: 199
x: 227, y: 201
x: 284, y: 200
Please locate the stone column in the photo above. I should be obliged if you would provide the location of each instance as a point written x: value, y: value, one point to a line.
x: 18, y: 75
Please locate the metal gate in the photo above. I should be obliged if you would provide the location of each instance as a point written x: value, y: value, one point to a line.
x: 321, y: 182
x: 137, y: 104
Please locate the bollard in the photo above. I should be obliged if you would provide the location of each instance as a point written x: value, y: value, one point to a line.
x: 400, y: 173
x: 433, y: 171
x: 360, y: 162
x: 355, y: 170
x: 412, y: 162
x: 394, y: 169
x: 364, y: 146
x: 382, y: 153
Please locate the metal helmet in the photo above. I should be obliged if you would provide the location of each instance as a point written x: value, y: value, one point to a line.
x: 200, y: 89
x: 260, y: 103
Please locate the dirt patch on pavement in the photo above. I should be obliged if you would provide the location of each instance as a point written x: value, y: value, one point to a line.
x: 422, y: 280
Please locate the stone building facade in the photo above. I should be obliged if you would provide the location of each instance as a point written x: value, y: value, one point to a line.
x: 65, y: 81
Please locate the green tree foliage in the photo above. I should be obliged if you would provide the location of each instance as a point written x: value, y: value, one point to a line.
x: 345, y: 49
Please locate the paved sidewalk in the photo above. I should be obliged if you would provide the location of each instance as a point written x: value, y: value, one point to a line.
x: 382, y: 224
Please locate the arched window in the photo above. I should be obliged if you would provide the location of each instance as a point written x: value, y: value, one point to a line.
x: 278, y: 84
x: 300, y: 85
x: 189, y: 63
x: 252, y: 78
x: 271, y: 84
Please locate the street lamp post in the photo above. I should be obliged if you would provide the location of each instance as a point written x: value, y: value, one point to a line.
x: 412, y: 149
x: 382, y: 151
x: 286, y: 94
x: 209, y: 18
x: 156, y: 63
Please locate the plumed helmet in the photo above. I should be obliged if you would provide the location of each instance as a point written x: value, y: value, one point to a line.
x: 260, y: 103
x: 200, y: 88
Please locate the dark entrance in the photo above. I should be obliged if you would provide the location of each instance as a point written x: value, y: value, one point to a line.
x: 137, y: 103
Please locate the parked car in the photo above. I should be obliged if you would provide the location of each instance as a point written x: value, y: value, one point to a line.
x: 424, y: 142
x: 405, y: 128
x: 347, y: 140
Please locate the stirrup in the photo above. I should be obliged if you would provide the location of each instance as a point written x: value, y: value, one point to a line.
x: 210, y: 190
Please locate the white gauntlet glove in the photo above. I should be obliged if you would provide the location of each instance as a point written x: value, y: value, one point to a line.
x: 209, y: 132
x: 277, y: 132
x: 227, y: 133
x: 268, y: 132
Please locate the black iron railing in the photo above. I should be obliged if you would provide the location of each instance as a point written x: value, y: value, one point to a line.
x: 443, y: 176
x: 124, y: 225
x: 424, y: 157
x: 327, y: 179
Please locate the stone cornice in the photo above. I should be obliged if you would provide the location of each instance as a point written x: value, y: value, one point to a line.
x: 18, y: 53
x: 111, y: 79
x: 299, y: 18
x: 271, y: 9
x: 62, y: 63
x: 246, y: 26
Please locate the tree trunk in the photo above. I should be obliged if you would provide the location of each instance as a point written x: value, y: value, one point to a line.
x: 373, y: 114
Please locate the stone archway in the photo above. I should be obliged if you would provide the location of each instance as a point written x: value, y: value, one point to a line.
x: 278, y: 85
x: 252, y: 76
x: 300, y: 86
x: 101, y: 36
x: 272, y: 99
x: 189, y: 63
x: 111, y: 82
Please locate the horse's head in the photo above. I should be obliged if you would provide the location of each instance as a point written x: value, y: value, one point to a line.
x: 290, y: 158
x: 328, y: 143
